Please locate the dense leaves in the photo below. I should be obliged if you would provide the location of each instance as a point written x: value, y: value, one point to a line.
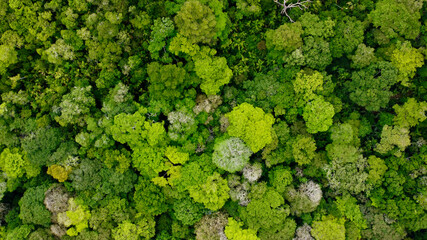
x: 207, y: 120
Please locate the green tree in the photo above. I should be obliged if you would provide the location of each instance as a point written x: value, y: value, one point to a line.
x: 370, y: 89
x: 213, y: 192
x: 167, y: 82
x: 410, y: 114
x: 286, y: 38
x: 396, y: 17
x: 328, y: 228
x: 119, y: 100
x: 269, y: 91
x: 75, y: 218
x: 231, y: 154
x: 187, y: 211
x: 59, y: 51
x: 148, y: 198
x: 393, y: 138
x: 349, y: 208
x: 161, y: 29
x: 316, y: 52
x: 346, y: 172
x: 314, y: 26
x: 8, y: 57
x: 126, y: 230
x: 349, y: 33
x: 347, y: 169
x: 251, y: 125
x: 305, y: 199
x: 363, y: 56
x: 303, y: 149
x: 75, y: 106
x: 12, y: 163
x: 306, y: 85
x: 318, y: 115
x: 377, y: 169
x: 279, y: 178
x: 234, y: 231
x: 197, y: 22
x: 32, y: 209
x: 182, y: 125
x: 267, y: 214
x: 41, y: 234
x: 407, y: 59
x: 142, y: 229
x: 20, y: 232
x: 134, y: 129
x: 214, y: 73
x: 249, y: 8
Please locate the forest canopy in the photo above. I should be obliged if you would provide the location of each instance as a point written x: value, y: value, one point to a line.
x: 213, y: 120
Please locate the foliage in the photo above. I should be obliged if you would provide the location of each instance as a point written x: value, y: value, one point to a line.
x: 318, y: 115
x: 252, y: 125
x: 213, y: 193
x: 75, y: 106
x: 393, y: 138
x: 397, y: 18
x: 12, y: 163
x: 348, y: 207
x: 76, y: 218
x: 32, y: 209
x: 410, y: 114
x: 407, y: 59
x: 305, y: 199
x: 286, y: 38
x: 166, y: 81
x: 187, y: 211
x: 148, y: 199
x: 268, y: 207
x: 231, y: 154
x: 214, y: 73
x: 233, y: 231
x: 207, y: 120
x: 370, y: 87
x: 349, y: 33
x: 328, y: 228
x: 194, y: 15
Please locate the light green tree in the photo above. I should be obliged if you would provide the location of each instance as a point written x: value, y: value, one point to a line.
x: 306, y: 85
x: 329, y: 228
x: 213, y: 193
x: 410, y: 114
x: 12, y: 163
x: 8, y: 56
x: 214, y: 73
x: 407, y: 59
x: 197, y: 22
x: 349, y: 208
x: 303, y: 149
x: 251, y: 125
x: 377, y: 169
x: 394, y: 138
x: 318, y: 115
x: 234, y: 231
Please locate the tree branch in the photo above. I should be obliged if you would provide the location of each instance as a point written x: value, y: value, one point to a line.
x: 286, y: 6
